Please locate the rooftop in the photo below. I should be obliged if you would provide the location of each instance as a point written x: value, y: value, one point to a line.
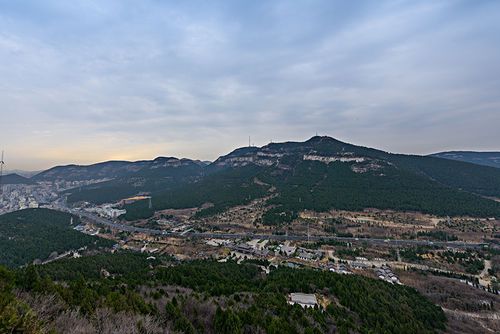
x: 303, y: 298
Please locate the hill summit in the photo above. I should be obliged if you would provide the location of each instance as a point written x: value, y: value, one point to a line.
x: 320, y: 174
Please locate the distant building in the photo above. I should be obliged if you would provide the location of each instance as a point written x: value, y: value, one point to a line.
x: 288, y: 250
x: 359, y: 265
x: 107, y: 210
x: 247, y: 249
x: 341, y: 269
x: 302, y: 299
x: 385, y: 273
x: 305, y: 256
x: 308, y: 255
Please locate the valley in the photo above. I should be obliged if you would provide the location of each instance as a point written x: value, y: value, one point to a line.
x: 322, y: 206
x: 249, y: 167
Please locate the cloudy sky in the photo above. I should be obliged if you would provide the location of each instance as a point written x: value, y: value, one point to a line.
x: 86, y: 81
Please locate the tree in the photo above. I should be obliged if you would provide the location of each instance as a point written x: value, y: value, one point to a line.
x: 227, y: 322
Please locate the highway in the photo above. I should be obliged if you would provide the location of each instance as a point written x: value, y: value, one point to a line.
x: 391, y: 242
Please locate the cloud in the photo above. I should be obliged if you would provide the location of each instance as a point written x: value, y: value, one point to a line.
x: 85, y: 81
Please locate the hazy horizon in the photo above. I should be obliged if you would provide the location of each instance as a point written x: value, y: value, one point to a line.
x: 209, y: 160
x: 90, y: 81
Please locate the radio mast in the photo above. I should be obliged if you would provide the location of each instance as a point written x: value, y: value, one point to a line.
x: 1, y: 174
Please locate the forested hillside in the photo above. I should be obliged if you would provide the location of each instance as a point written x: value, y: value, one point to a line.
x: 491, y: 159
x: 320, y: 187
x: 323, y: 174
x: 205, y: 297
x: 221, y: 190
x: 159, y: 175
x: 32, y: 234
x: 476, y: 179
x: 15, y: 179
x: 102, y: 170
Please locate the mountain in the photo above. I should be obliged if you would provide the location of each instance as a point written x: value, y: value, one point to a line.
x: 24, y: 173
x: 31, y: 234
x: 111, y: 169
x: 216, y: 190
x: 15, y: 179
x: 491, y: 159
x: 323, y: 173
x: 159, y: 174
x: 319, y: 174
x: 103, y: 170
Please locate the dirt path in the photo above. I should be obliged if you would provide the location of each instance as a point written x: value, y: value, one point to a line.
x: 489, y: 315
x: 484, y: 273
x: 488, y: 321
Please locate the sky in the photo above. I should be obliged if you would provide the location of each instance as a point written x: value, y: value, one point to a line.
x: 88, y: 81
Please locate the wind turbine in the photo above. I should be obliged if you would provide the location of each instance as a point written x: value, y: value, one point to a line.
x: 1, y: 174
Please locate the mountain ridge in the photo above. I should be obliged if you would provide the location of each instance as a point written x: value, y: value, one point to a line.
x: 321, y: 173
x: 105, y: 169
x: 52, y: 173
x: 14, y: 178
x: 485, y: 158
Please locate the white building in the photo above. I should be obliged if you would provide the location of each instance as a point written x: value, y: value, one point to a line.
x: 288, y: 250
x: 303, y: 299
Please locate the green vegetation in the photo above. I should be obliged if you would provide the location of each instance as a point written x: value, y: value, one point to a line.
x: 104, y: 192
x: 259, y: 262
x: 119, y: 265
x: 331, y: 225
x: 414, y: 254
x: 349, y: 252
x: 491, y: 159
x: 379, y: 307
x: 16, y: 179
x: 473, y: 178
x: 15, y: 316
x: 386, y: 181
x: 277, y: 216
x: 207, y: 296
x: 153, y: 177
x: 138, y: 210
x: 221, y: 190
x: 320, y: 187
x: 438, y: 235
x: 32, y: 234
x: 470, y: 260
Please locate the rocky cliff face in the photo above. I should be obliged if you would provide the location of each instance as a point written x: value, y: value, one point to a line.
x: 318, y: 149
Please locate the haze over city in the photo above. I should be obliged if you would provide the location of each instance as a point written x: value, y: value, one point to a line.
x: 88, y: 81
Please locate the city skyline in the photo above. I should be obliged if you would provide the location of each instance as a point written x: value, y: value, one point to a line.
x: 93, y: 81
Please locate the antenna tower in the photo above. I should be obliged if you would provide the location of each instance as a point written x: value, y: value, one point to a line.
x: 1, y: 174
x: 308, y: 236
